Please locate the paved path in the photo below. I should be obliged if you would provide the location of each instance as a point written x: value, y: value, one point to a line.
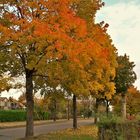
x: 13, y: 133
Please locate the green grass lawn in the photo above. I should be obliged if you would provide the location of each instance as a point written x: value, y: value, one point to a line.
x: 82, y: 133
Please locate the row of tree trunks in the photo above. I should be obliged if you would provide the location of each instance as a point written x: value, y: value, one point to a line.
x: 96, y: 109
x: 107, y: 107
x: 30, y: 106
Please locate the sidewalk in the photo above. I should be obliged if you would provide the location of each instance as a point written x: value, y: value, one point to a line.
x: 4, y: 125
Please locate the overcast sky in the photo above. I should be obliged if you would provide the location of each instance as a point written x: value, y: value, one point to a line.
x: 123, y: 17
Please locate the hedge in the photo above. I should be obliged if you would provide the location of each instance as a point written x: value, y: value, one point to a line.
x: 114, y: 128
x: 20, y: 115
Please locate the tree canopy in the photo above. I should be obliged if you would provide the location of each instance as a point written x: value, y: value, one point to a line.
x: 125, y: 75
x: 57, y: 42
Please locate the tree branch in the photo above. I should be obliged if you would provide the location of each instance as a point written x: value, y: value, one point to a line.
x: 45, y: 76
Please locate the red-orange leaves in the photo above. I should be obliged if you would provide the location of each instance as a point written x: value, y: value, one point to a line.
x: 82, y: 28
x: 44, y: 31
x: 41, y: 28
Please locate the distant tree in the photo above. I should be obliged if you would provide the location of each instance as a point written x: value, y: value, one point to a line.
x: 54, y: 98
x: 22, y: 98
x: 125, y: 77
x: 4, y: 84
x: 133, y: 101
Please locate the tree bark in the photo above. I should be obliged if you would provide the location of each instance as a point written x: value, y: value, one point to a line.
x: 124, y: 106
x: 68, y: 110
x: 30, y: 104
x: 96, y: 110
x: 74, y: 112
x: 54, y: 113
x: 107, y: 107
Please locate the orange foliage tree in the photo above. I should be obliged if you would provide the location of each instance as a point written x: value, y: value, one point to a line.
x: 102, y: 67
x: 94, y: 60
x: 133, y: 101
x: 36, y: 34
x: 58, y: 40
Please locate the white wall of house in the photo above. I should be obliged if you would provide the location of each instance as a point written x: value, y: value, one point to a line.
x: 5, y: 104
x: 2, y: 103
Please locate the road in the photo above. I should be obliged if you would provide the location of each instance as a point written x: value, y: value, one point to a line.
x: 13, y: 133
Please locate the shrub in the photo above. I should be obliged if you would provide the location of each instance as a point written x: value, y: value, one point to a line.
x: 20, y: 115
x: 12, y: 115
x: 112, y: 127
x: 40, y: 115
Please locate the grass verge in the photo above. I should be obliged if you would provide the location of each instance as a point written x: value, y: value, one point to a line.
x: 82, y: 133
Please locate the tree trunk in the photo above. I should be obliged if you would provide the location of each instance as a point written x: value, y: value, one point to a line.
x: 68, y: 110
x: 29, y: 103
x: 54, y: 113
x: 96, y: 110
x: 124, y: 106
x: 74, y: 112
x: 107, y: 107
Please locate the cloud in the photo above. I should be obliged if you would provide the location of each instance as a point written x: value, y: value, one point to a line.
x: 111, y: 2
x: 124, y: 21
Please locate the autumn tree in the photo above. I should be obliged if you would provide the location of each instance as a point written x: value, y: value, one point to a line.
x: 22, y: 98
x: 103, y: 73
x: 4, y: 77
x: 53, y: 97
x: 73, y: 81
x: 125, y: 77
x: 133, y: 101
x: 69, y: 75
x: 4, y: 84
x: 54, y: 39
x: 102, y: 67
x: 95, y: 56
x: 35, y: 34
x: 74, y: 74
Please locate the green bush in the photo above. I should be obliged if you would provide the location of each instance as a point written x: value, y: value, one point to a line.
x: 114, y: 128
x: 12, y: 115
x: 111, y: 119
x: 40, y: 115
x: 20, y: 115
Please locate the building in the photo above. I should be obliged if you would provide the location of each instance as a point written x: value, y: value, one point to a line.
x: 4, y: 103
x: 10, y: 104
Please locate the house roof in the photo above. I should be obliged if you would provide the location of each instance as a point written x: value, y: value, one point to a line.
x: 17, y: 102
x: 3, y: 98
